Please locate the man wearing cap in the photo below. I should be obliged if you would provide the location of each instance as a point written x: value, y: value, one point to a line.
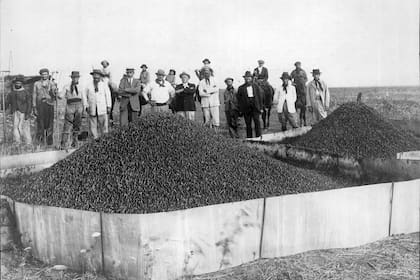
x: 128, y: 94
x: 20, y: 103
x: 108, y: 79
x: 285, y: 98
x: 318, y: 96
x: 300, y: 79
x: 200, y: 72
x: 72, y: 94
x: 261, y: 72
x: 184, y: 104
x: 209, y: 94
x: 97, y: 103
x: 250, y: 101
x: 159, y: 93
x: 231, y: 108
x: 43, y: 99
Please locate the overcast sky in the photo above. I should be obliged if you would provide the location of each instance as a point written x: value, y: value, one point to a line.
x: 354, y: 43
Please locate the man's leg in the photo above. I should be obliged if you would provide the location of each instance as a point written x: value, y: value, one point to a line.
x: 68, y: 124
x: 16, y: 127
x: 93, y: 126
x: 181, y: 113
x: 214, y: 112
x: 292, y: 117
x: 77, y: 123
x: 26, y: 131
x: 190, y: 115
x: 234, y: 122
x: 50, y: 124
x: 40, y: 119
x: 123, y: 116
x: 206, y: 115
x: 229, y: 123
x: 102, y: 124
x: 113, y: 97
x: 248, y: 123
x: 256, y: 116
x: 264, y: 116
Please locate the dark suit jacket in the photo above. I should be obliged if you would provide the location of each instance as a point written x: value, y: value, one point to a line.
x: 20, y: 100
x: 184, y: 98
x: 243, y: 100
x: 263, y: 75
x: 129, y: 94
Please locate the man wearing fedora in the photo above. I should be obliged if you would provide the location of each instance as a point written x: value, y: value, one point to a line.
x: 317, y: 97
x: 43, y: 99
x: 209, y: 94
x: 250, y: 101
x: 72, y: 94
x: 300, y: 79
x: 184, y: 104
x: 261, y: 72
x: 19, y: 101
x: 159, y: 93
x: 231, y: 108
x: 97, y: 103
x: 285, y: 98
x: 128, y: 94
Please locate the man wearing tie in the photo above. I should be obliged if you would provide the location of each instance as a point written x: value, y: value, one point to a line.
x: 318, y: 97
x: 128, y: 94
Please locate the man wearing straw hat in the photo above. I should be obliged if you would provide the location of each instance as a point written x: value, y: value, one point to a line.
x: 97, y: 103
x: 285, y: 98
x: 317, y: 97
x: 19, y: 101
x: 128, y: 94
x: 43, y: 99
x: 159, y: 93
x: 72, y: 94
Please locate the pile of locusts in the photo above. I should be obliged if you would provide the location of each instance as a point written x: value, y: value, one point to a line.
x: 358, y: 131
x: 164, y: 163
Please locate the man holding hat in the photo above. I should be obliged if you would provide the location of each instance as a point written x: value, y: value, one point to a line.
x: 318, y: 96
x: 209, y: 94
x: 128, y: 94
x: 184, y: 104
x: 43, y: 99
x: 300, y: 79
x: 159, y: 93
x: 231, y: 108
x: 97, y: 103
x: 200, y: 72
x: 72, y: 94
x: 20, y: 103
x: 285, y: 98
x: 261, y: 72
x: 250, y: 101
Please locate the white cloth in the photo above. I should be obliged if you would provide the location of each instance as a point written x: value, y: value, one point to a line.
x: 97, y: 100
x: 280, y: 96
x: 250, y: 91
x: 209, y: 93
x: 158, y: 93
x: 211, y: 116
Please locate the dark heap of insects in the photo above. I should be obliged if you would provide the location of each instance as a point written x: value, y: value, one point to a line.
x: 358, y: 131
x: 164, y: 163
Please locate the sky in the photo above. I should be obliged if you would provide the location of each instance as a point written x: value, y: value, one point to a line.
x: 354, y: 43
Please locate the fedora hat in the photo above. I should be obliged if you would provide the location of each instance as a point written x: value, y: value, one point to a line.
x: 298, y: 63
x: 143, y: 66
x: 316, y: 71
x: 184, y: 74
x: 43, y: 70
x: 206, y: 60
x: 129, y: 69
x: 247, y: 74
x: 229, y: 78
x: 160, y: 72
x: 97, y: 71
x: 19, y: 78
x: 75, y: 74
x: 261, y: 61
x: 285, y: 75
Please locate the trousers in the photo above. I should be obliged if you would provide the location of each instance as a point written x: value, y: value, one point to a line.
x: 285, y: 116
x: 72, y: 123
x: 128, y: 115
x: 232, y: 122
x: 159, y: 109
x: 45, y: 122
x: 98, y: 122
x: 21, y: 128
x: 189, y: 115
x: 319, y: 112
x: 211, y: 116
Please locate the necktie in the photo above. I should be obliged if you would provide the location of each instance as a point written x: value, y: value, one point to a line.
x: 96, y: 87
x: 318, y: 85
x: 285, y: 88
x: 208, y: 81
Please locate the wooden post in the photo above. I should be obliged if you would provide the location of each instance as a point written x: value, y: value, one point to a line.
x: 102, y: 243
x: 262, y: 229
x: 390, y: 209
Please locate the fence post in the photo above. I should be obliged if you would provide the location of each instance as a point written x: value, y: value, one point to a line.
x: 102, y: 243
x: 262, y: 228
x: 390, y: 210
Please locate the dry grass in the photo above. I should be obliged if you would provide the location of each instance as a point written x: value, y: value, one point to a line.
x: 396, y: 257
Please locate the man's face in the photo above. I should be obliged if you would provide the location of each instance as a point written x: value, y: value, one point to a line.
x: 18, y: 85
x: 229, y: 82
x: 184, y: 79
x: 75, y: 80
x: 104, y: 64
x: 130, y: 74
x: 297, y: 66
x: 143, y: 69
x: 160, y: 77
x: 206, y: 63
x: 285, y: 80
x: 96, y: 78
x: 248, y: 80
x: 45, y: 75
x: 317, y: 76
x: 260, y: 64
x: 207, y: 74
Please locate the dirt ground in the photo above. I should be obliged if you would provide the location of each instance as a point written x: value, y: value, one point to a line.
x: 395, y: 257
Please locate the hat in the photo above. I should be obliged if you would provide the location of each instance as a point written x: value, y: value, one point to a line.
x: 97, y: 71
x: 297, y: 63
x: 75, y: 74
x: 106, y: 61
x: 129, y: 69
x: 206, y: 60
x: 261, y: 61
x: 143, y: 65
x: 172, y: 70
x: 43, y: 70
x: 248, y: 74
x: 19, y: 78
x: 285, y: 75
x: 161, y: 72
x: 184, y: 74
x: 228, y: 79
x: 316, y: 71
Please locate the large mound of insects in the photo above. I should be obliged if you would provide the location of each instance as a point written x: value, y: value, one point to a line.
x: 163, y: 163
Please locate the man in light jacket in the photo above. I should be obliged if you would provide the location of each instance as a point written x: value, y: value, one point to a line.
x: 209, y: 94
x: 318, y: 97
x: 285, y: 98
x: 97, y: 103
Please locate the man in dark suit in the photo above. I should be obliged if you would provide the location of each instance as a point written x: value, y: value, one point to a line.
x: 184, y: 104
x: 128, y: 94
x: 261, y: 72
x: 250, y: 101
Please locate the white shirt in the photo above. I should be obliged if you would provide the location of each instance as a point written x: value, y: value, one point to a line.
x: 159, y: 94
x: 97, y: 101
x: 250, y: 91
x: 260, y: 69
x: 280, y: 97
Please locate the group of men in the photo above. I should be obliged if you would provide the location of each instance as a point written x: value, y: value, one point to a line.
x: 98, y: 98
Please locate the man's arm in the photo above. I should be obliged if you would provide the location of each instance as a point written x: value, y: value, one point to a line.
x: 34, y: 96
